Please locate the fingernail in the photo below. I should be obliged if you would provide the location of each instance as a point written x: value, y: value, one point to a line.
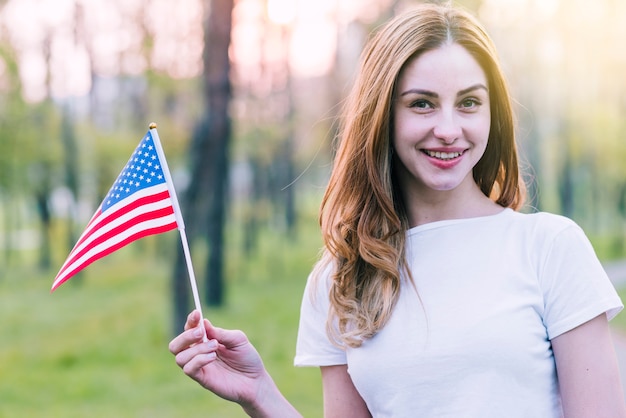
x: 198, y: 332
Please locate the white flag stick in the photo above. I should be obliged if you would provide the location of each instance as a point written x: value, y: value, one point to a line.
x: 179, y: 219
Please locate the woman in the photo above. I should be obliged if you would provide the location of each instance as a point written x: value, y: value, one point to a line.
x: 434, y: 297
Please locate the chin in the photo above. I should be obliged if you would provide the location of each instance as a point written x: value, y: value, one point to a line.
x: 446, y: 187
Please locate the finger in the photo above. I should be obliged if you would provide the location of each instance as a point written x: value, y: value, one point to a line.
x: 226, y: 337
x: 186, y: 339
x: 199, y: 350
x: 193, y: 319
x: 194, y: 366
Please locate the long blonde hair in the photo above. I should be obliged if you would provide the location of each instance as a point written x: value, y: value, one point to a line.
x: 362, y: 217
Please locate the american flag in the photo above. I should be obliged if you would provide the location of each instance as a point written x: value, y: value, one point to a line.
x: 139, y: 204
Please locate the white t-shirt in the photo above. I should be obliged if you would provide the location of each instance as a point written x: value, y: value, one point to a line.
x: 493, y: 291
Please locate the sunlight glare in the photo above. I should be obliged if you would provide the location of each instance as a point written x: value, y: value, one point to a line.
x: 502, y: 12
x: 546, y: 9
x: 33, y: 72
x: 313, y: 47
x: 281, y: 12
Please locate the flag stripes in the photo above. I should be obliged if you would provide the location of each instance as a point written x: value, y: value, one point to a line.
x: 146, y: 212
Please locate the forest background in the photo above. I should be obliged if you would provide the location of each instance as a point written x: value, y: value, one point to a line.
x: 245, y: 94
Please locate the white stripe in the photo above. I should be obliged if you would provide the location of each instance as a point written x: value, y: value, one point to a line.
x: 148, y: 191
x: 119, y: 221
x: 115, y: 240
x: 124, y: 218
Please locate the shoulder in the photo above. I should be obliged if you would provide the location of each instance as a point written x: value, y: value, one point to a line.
x: 545, y: 219
x: 544, y: 223
x: 539, y: 234
x: 319, y: 282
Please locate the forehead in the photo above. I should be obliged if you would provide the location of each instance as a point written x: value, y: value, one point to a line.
x: 449, y: 66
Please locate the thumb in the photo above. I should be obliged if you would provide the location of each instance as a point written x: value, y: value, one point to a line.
x: 226, y: 337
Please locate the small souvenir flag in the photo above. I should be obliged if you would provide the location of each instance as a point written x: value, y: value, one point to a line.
x: 139, y: 204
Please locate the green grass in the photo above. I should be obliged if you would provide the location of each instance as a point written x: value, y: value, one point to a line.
x: 97, y: 347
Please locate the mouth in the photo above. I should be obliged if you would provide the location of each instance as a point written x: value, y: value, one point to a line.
x: 443, y: 156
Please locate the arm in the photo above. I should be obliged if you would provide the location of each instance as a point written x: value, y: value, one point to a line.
x: 341, y: 398
x: 229, y: 366
x: 588, y: 372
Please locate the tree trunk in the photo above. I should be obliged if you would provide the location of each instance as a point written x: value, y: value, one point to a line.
x: 217, y: 92
x: 566, y: 185
x: 42, y: 196
x: 70, y: 154
x: 205, y: 199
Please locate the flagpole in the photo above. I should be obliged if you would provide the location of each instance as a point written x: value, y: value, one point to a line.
x: 179, y: 219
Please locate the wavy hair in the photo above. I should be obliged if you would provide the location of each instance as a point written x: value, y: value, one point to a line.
x: 362, y: 217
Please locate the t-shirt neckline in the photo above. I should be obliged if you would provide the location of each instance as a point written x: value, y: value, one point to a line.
x: 448, y: 222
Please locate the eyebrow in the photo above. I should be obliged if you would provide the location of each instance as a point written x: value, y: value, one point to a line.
x: 429, y: 93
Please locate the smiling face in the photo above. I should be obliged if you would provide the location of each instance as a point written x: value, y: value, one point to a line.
x: 441, y: 122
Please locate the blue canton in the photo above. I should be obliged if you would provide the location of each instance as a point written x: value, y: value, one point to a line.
x: 142, y: 170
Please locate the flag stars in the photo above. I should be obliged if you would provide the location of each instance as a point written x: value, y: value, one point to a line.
x: 142, y: 170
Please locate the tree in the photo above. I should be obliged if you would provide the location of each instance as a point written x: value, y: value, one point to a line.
x: 12, y: 150
x: 209, y: 160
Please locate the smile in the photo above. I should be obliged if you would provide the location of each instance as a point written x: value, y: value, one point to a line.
x: 445, y: 156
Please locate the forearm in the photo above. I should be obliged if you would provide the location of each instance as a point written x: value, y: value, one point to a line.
x: 270, y: 402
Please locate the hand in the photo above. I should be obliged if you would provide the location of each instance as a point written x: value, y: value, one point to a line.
x: 227, y: 364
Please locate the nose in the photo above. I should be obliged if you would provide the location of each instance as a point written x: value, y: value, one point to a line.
x: 447, y: 128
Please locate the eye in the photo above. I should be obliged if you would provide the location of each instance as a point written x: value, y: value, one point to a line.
x: 421, y: 104
x: 470, y: 103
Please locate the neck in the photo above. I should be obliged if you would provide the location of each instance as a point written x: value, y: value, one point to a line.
x: 460, y: 203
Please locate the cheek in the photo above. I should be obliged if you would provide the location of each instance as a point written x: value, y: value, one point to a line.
x: 480, y: 129
x: 406, y: 132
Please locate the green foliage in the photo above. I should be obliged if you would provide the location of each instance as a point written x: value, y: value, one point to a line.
x: 97, y: 347
x: 619, y: 322
x: 609, y: 247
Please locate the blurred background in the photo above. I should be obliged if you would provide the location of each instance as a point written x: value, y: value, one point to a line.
x: 245, y: 94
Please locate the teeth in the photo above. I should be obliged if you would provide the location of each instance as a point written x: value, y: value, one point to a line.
x: 443, y: 155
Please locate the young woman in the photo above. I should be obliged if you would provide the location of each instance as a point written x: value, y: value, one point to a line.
x: 434, y: 296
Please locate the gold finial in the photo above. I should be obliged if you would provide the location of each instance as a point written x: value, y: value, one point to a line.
x: 152, y: 125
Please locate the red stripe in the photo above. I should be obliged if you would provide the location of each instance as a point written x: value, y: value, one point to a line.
x: 122, y: 211
x: 142, y: 217
x: 113, y: 248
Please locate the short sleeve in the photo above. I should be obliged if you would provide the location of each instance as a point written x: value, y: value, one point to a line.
x: 313, y: 347
x: 575, y: 286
